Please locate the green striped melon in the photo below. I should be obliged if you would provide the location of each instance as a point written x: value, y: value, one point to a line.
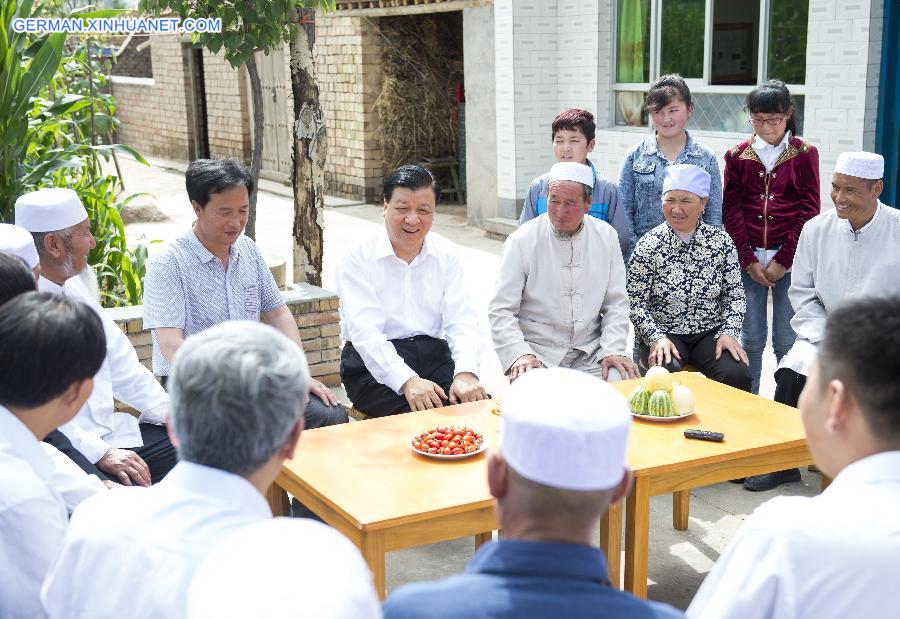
x: 639, y: 400
x: 661, y: 404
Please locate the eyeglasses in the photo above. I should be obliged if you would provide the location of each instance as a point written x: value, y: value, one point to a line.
x: 772, y: 122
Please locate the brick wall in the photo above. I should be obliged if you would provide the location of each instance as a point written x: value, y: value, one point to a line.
x: 228, y: 115
x: 155, y: 115
x: 348, y: 58
x: 316, y: 313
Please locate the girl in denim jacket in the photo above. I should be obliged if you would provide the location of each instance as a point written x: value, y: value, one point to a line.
x: 644, y: 167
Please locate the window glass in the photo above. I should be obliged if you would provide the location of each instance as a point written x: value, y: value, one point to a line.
x: 682, y: 28
x: 633, y: 41
x: 735, y: 44
x: 788, y: 24
x: 630, y: 109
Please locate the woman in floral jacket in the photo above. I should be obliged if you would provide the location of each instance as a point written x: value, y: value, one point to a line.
x: 684, y: 284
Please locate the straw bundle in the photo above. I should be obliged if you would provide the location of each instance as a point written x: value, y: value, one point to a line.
x: 422, y: 63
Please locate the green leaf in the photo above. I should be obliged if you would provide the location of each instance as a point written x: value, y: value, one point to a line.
x: 40, y: 71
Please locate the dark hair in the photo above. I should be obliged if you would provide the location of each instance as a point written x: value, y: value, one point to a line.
x: 575, y: 119
x: 411, y: 177
x: 852, y: 333
x: 47, y: 342
x: 772, y: 97
x: 205, y: 177
x: 666, y: 88
x: 15, y: 277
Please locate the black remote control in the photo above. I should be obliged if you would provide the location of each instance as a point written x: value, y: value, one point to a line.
x: 704, y: 435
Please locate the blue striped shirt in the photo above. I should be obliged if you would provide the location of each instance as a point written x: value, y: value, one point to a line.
x: 188, y: 288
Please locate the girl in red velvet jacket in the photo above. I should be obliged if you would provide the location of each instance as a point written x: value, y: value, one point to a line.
x: 771, y: 190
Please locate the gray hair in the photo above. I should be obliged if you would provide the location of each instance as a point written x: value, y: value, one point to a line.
x: 236, y: 392
x: 65, y: 235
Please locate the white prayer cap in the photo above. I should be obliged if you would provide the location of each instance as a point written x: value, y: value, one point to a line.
x: 49, y: 210
x: 571, y: 171
x: 18, y: 241
x: 283, y: 567
x: 861, y: 165
x: 687, y: 177
x: 566, y: 429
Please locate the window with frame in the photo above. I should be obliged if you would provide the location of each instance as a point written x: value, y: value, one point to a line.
x: 723, y: 48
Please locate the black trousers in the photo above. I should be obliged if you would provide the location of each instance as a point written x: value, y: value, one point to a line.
x: 699, y: 350
x: 158, y: 452
x: 788, y: 385
x: 427, y: 356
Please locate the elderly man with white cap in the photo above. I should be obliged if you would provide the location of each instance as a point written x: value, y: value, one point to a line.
x: 552, y: 479
x: 106, y: 443
x: 560, y: 299
x: 684, y: 282
x: 850, y: 251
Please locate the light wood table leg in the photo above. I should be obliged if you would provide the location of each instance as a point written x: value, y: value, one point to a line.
x: 826, y: 481
x: 637, y: 530
x: 681, y: 509
x: 278, y: 501
x: 611, y: 543
x: 481, y: 538
x: 372, y: 548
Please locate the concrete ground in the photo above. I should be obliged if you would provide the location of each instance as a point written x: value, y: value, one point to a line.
x: 679, y: 560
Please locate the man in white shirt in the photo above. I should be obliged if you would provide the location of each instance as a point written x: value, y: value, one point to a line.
x: 106, y: 443
x: 402, y: 292
x: 50, y: 347
x: 836, y: 555
x: 238, y: 392
x: 295, y: 564
x: 845, y: 253
x: 561, y: 298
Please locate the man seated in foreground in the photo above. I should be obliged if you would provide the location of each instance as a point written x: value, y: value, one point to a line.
x: 109, y: 444
x: 238, y: 391
x: 50, y: 348
x: 214, y: 273
x: 560, y: 298
x: 284, y: 568
x: 835, y: 555
x: 548, y: 501
x: 402, y: 293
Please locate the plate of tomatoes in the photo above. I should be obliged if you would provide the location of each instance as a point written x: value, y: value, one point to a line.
x: 449, y: 443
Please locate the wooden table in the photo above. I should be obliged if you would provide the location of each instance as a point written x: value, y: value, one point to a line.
x: 761, y: 436
x: 364, y: 480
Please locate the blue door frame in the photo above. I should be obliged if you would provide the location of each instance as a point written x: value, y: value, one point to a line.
x: 887, y: 132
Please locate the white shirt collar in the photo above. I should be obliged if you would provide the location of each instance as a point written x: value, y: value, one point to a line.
x: 760, y: 144
x: 229, y: 489
x: 384, y: 249
x: 20, y: 441
x: 880, y: 467
x: 45, y: 285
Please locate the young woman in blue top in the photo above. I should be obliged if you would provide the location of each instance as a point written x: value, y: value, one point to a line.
x: 644, y: 167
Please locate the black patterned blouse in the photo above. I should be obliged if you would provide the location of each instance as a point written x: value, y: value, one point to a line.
x: 685, y: 288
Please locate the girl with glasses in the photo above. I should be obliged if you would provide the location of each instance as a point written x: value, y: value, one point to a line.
x: 771, y: 190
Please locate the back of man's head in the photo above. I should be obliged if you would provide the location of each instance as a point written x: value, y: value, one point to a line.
x: 236, y: 391
x: 861, y: 348
x: 15, y: 277
x: 47, y: 343
x: 562, y: 457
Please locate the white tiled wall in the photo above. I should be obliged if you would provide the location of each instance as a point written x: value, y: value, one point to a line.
x: 556, y: 54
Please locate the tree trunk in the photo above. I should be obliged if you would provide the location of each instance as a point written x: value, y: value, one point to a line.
x: 309, y: 154
x: 256, y: 157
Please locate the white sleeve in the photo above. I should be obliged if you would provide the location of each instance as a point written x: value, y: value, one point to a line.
x: 132, y: 383
x: 460, y: 321
x: 615, y: 307
x: 88, y: 444
x: 72, y: 484
x: 809, y: 313
x: 364, y: 320
x: 503, y: 310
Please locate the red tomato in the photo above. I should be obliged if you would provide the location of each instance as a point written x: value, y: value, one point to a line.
x: 458, y: 451
x: 445, y: 451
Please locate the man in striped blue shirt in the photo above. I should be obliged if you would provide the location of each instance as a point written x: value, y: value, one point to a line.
x: 214, y: 273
